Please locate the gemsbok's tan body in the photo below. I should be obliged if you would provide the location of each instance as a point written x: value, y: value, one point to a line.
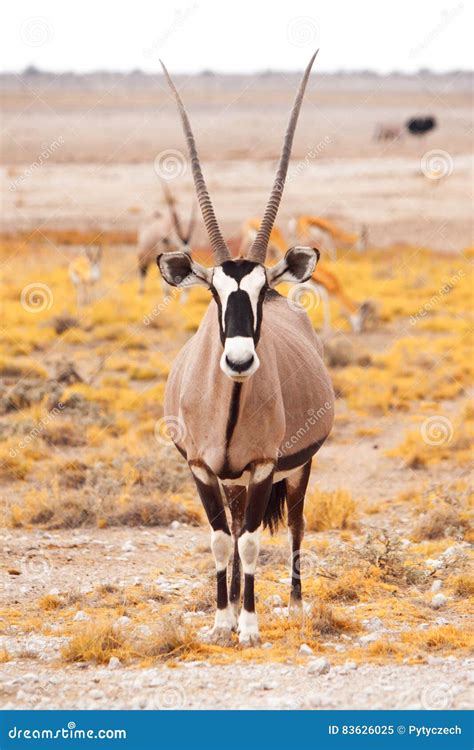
x: 249, y: 394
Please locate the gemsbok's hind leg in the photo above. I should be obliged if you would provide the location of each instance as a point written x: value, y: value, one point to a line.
x: 296, y: 485
x: 236, y: 500
x: 221, y: 546
x: 258, y: 496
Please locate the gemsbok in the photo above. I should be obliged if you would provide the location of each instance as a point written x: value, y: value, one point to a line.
x: 323, y: 282
x: 248, y: 399
x: 85, y: 272
x: 163, y: 235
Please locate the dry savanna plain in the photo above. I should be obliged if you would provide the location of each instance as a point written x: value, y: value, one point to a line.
x: 106, y: 575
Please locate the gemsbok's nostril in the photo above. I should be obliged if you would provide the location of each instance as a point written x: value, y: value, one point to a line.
x: 240, y: 366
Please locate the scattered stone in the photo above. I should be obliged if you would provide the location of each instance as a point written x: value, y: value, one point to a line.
x: 436, y: 586
x: 121, y: 621
x: 375, y: 623
x: 369, y: 638
x: 438, y: 601
x: 274, y: 601
x: 305, y: 649
x: 269, y: 685
x: 114, y: 662
x: 175, y: 525
x: 349, y: 665
x: 267, y: 645
x: 81, y: 616
x: 319, y: 666
x: 128, y: 546
x: 96, y: 694
x: 434, y: 564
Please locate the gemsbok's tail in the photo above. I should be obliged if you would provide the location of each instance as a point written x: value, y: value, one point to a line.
x: 275, y: 511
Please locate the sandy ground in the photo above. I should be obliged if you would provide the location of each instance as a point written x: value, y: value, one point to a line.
x: 34, y: 678
x: 102, y: 176
x: 88, y: 155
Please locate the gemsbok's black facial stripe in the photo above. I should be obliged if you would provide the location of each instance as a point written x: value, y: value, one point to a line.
x: 239, y: 288
x: 239, y: 320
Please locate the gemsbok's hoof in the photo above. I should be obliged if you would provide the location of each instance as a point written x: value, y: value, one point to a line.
x: 249, y: 640
x: 220, y: 636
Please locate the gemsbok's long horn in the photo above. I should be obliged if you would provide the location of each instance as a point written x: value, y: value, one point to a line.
x: 218, y: 245
x: 258, y: 250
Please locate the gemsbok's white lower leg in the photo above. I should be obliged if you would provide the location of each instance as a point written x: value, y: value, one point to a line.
x: 249, y: 544
x: 225, y: 620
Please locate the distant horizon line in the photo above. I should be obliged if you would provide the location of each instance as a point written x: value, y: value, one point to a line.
x: 207, y: 72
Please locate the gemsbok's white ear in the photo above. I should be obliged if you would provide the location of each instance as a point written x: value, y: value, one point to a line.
x: 297, y: 266
x: 178, y: 269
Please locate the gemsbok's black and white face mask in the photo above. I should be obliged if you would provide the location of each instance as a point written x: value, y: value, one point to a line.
x: 239, y: 288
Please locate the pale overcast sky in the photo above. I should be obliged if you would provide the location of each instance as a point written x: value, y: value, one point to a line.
x: 248, y: 35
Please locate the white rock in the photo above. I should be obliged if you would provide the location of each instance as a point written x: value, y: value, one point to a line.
x: 96, y: 694
x: 319, y: 666
x: 267, y: 645
x: 436, y: 586
x: 274, y: 601
x: 121, y: 621
x: 375, y: 623
x: 144, y: 631
x: 349, y: 665
x: 438, y: 601
x: 114, y: 662
x: 128, y: 546
x: 369, y: 638
x: 305, y: 649
x: 81, y: 616
x: 175, y: 525
x: 435, y: 564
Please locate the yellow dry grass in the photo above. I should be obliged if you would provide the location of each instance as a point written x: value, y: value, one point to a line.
x: 100, y: 460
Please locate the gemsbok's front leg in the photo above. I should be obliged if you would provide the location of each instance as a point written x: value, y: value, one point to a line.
x: 237, y: 502
x: 258, y: 497
x: 221, y: 546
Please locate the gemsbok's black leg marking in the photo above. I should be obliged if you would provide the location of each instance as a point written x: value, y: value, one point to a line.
x: 221, y: 545
x: 258, y: 496
x: 296, y: 486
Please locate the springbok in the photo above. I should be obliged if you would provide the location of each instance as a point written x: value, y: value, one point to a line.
x: 85, y: 272
x: 326, y: 233
x: 325, y: 283
x: 163, y: 235
x: 249, y: 395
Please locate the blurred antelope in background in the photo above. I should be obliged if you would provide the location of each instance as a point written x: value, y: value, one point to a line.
x: 325, y: 283
x: 249, y: 381
x: 85, y: 272
x: 163, y: 235
x: 326, y: 234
